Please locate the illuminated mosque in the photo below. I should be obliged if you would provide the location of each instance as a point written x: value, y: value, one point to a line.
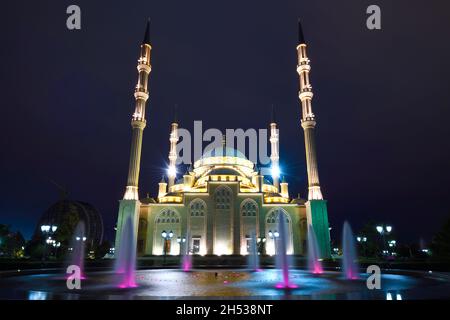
x: 222, y: 201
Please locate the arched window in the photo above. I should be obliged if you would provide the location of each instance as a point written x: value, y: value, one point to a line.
x: 197, y: 208
x: 249, y: 224
x: 167, y: 216
x: 166, y: 220
x: 273, y: 225
x: 222, y: 197
x: 274, y: 216
x: 249, y: 208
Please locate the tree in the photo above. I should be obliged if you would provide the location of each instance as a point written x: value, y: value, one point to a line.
x: 11, y: 243
x: 371, y: 247
x: 66, y: 229
x: 102, y: 249
x: 440, y: 246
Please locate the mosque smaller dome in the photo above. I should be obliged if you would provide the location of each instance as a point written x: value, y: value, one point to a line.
x: 298, y: 200
x: 148, y: 200
x: 224, y: 152
x: 224, y: 171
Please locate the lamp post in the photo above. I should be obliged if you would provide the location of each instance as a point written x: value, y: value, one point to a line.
x: 362, y: 240
x: 274, y: 236
x: 47, y: 231
x: 56, y: 245
x: 167, y: 236
x: 181, y: 241
x: 261, y: 245
x: 383, y: 230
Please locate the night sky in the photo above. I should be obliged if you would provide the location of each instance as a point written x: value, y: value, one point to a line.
x: 381, y: 100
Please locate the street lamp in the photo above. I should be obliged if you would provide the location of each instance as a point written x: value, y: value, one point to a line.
x: 261, y: 245
x: 56, y: 245
x: 48, y: 231
x: 180, y: 241
x: 274, y: 235
x: 383, y: 230
x: 362, y: 241
x: 166, y: 238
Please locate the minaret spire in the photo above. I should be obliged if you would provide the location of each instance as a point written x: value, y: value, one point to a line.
x: 308, y: 119
x: 172, y: 171
x: 274, y: 148
x: 147, y: 33
x: 138, y: 121
x: 301, y: 37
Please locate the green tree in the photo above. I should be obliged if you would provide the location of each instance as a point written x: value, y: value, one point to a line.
x: 440, y: 246
x: 66, y: 229
x: 102, y: 249
x: 371, y: 247
x: 11, y: 243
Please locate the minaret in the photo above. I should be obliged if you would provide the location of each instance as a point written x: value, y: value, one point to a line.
x: 316, y: 207
x: 308, y: 119
x: 129, y: 207
x: 284, y: 188
x: 138, y: 121
x: 172, y: 171
x: 162, y: 190
x: 274, y: 154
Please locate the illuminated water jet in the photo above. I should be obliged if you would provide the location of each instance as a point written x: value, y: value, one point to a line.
x: 281, y: 254
x: 314, y: 264
x: 126, y: 261
x: 186, y: 260
x: 253, y: 258
x: 349, y: 265
x: 78, y: 248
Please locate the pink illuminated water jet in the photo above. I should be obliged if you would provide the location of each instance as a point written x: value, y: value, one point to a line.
x: 126, y: 256
x: 315, y: 266
x: 77, y: 253
x: 186, y: 258
x: 281, y: 250
x: 286, y: 286
x: 187, y: 266
x: 349, y: 266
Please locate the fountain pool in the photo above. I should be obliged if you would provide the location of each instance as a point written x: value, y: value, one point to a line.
x: 231, y: 284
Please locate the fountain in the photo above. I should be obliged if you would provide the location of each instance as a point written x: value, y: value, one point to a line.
x: 349, y: 266
x: 253, y: 258
x: 315, y: 266
x: 281, y: 254
x: 186, y: 261
x: 126, y: 260
x: 78, y: 250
